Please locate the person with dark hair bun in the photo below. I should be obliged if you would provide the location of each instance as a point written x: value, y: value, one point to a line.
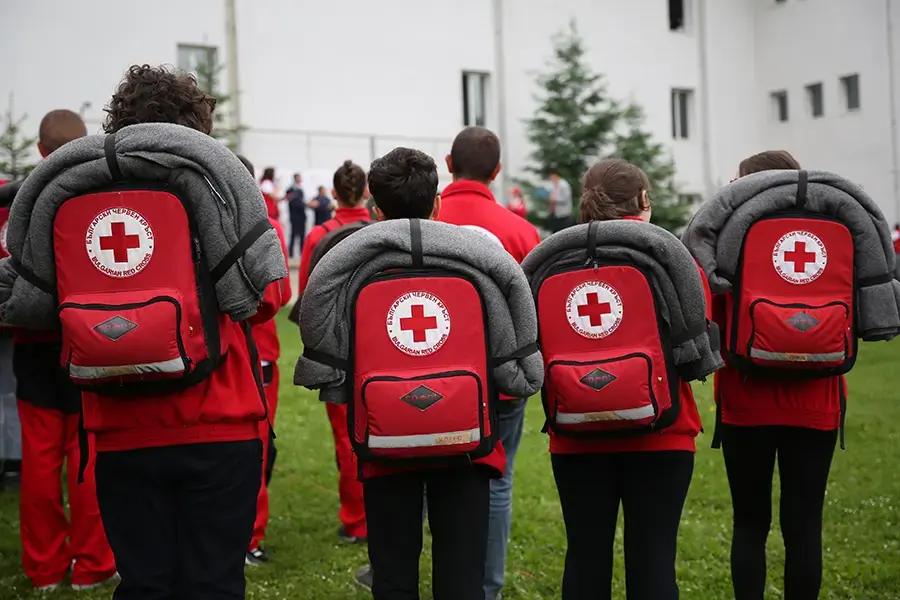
x: 648, y: 474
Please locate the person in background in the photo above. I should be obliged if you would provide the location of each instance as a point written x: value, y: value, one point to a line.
x: 474, y: 162
x: 297, y: 210
x: 270, y: 192
x: 49, y: 407
x: 266, y: 337
x: 794, y: 422
x: 559, y: 194
x: 322, y: 206
x: 351, y: 193
x: 895, y: 237
x: 517, y: 204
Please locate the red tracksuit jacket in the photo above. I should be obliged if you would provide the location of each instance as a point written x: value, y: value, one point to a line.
x: 342, y: 216
x: 266, y: 334
x: 225, y: 407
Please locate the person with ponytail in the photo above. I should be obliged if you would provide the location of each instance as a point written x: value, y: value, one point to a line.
x: 647, y: 472
x: 351, y: 192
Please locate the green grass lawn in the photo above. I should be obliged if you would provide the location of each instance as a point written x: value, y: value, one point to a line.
x: 862, y: 513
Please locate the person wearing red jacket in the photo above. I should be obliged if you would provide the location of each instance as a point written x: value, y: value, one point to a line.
x: 649, y: 474
x: 474, y: 162
x: 351, y: 193
x: 48, y: 406
x: 178, y: 474
x: 403, y: 184
x: 270, y: 192
x: 793, y: 422
x: 265, y: 335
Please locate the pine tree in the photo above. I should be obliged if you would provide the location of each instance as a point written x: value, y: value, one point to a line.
x: 635, y: 144
x: 14, y: 148
x: 209, y: 74
x: 575, y: 119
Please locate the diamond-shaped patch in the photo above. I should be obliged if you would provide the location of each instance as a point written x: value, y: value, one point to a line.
x: 115, y: 328
x: 422, y: 397
x: 598, y: 379
x: 802, y: 321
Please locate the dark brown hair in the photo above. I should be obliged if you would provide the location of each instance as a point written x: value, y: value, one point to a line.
x: 59, y: 127
x: 349, y: 183
x: 475, y: 154
x: 159, y: 95
x: 612, y: 189
x: 268, y: 174
x: 770, y: 160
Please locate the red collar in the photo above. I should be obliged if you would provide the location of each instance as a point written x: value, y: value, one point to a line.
x: 465, y: 186
x: 632, y: 219
x: 346, y: 214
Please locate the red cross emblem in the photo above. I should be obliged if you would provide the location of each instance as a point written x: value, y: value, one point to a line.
x: 119, y: 242
x: 594, y: 309
x: 799, y: 256
x: 418, y: 323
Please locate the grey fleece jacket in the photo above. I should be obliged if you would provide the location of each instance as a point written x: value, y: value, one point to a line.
x: 716, y: 233
x: 226, y: 203
x: 672, y: 274
x: 326, y: 305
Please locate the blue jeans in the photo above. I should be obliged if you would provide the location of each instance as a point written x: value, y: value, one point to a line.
x: 512, y: 418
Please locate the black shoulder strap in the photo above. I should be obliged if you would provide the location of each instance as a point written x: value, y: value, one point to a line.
x: 415, y: 243
x: 327, y: 228
x: 875, y: 280
x: 802, y: 182
x: 524, y: 351
x: 238, y: 250
x: 256, y: 366
x: 325, y: 359
x: 29, y: 276
x: 592, y: 240
x: 109, y: 148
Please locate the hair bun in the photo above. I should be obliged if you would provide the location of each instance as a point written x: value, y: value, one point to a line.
x: 348, y: 164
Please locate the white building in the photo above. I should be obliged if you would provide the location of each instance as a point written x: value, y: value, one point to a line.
x: 320, y: 82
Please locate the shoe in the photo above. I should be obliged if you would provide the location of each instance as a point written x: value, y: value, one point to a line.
x: 350, y: 539
x: 256, y: 558
x: 48, y: 588
x: 363, y: 577
x: 116, y: 578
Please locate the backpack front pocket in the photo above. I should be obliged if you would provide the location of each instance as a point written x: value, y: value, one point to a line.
x: 798, y: 336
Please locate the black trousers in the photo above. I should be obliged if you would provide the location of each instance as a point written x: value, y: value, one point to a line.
x: 179, y: 518
x: 804, y: 460
x: 652, y: 487
x: 459, y: 502
x: 298, y: 232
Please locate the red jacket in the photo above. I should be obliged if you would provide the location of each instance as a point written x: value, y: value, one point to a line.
x: 470, y: 203
x: 342, y: 216
x: 266, y: 334
x: 752, y: 402
x: 679, y: 435
x: 223, y: 408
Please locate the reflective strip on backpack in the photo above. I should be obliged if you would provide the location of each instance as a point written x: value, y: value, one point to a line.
x: 175, y: 365
x: 449, y: 438
x: 630, y: 414
x: 796, y: 357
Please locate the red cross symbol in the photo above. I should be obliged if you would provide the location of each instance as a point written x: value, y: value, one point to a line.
x: 418, y: 323
x: 594, y: 309
x: 799, y: 256
x: 119, y: 242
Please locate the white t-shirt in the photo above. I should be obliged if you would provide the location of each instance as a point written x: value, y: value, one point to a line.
x: 267, y: 187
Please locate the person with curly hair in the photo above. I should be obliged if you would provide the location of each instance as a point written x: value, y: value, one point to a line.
x: 178, y: 474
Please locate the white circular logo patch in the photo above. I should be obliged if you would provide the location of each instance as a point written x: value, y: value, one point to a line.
x: 799, y: 257
x: 418, y: 323
x: 594, y: 309
x: 119, y: 242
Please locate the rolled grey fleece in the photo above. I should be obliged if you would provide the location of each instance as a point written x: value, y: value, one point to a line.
x: 325, y: 310
x: 672, y: 274
x: 225, y: 199
x: 716, y: 233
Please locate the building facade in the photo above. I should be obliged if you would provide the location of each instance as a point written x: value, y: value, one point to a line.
x: 320, y: 82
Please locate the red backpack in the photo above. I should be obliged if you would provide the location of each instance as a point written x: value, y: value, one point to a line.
x: 137, y: 301
x: 419, y: 367
x: 791, y: 310
x: 607, y: 353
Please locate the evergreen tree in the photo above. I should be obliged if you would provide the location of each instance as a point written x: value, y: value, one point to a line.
x: 575, y: 119
x: 15, y: 149
x: 209, y: 74
x: 635, y: 144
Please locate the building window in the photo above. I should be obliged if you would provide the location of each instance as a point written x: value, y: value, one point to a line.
x: 682, y: 105
x: 780, y: 1
x: 200, y: 61
x: 816, y: 101
x: 780, y: 105
x: 679, y: 15
x: 474, y: 98
x: 850, y: 85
